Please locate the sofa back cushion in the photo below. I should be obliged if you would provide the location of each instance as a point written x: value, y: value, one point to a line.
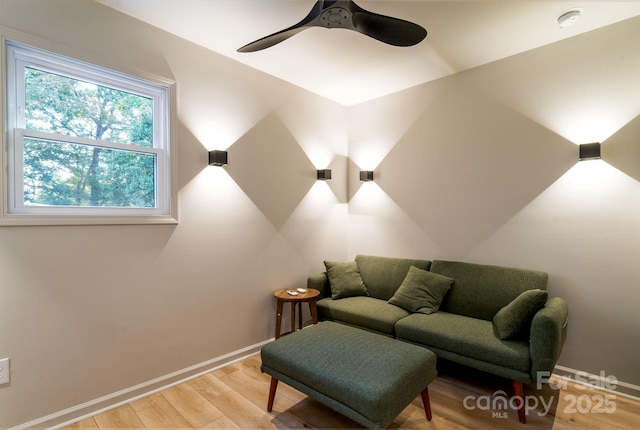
x: 480, y: 291
x: 383, y: 275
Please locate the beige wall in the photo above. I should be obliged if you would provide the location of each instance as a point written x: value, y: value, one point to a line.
x: 483, y: 167
x: 478, y: 167
x: 88, y: 311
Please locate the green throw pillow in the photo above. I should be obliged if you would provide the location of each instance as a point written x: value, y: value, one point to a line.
x: 514, y: 320
x: 345, y: 280
x: 421, y: 291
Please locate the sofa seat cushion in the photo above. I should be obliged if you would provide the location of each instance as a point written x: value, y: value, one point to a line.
x: 466, y: 336
x: 366, y: 312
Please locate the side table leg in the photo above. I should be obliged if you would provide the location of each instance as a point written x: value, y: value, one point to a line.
x: 314, y: 311
x: 279, y: 318
x: 299, y: 315
x: 293, y: 317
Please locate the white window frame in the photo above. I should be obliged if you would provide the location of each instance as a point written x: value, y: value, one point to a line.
x: 14, y: 212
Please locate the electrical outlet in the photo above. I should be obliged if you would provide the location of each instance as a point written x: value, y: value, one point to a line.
x: 5, y: 377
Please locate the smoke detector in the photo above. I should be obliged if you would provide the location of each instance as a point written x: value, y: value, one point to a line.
x: 569, y: 17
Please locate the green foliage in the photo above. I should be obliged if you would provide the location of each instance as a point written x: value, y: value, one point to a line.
x: 69, y: 174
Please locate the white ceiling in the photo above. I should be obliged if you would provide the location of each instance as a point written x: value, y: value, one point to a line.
x: 349, y: 67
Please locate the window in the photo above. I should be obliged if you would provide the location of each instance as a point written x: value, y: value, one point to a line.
x: 84, y: 144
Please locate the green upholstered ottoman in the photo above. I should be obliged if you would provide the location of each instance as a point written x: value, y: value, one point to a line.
x: 368, y: 377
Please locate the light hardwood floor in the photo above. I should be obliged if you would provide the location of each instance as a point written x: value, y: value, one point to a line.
x: 235, y: 397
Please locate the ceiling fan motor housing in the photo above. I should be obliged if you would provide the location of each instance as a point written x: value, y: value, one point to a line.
x: 336, y: 17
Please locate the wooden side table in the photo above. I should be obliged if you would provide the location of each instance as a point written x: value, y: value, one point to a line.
x: 282, y: 296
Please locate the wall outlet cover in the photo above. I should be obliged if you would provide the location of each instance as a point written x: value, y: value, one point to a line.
x: 5, y: 377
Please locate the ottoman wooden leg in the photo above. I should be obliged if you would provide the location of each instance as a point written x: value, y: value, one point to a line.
x: 427, y: 403
x: 272, y: 393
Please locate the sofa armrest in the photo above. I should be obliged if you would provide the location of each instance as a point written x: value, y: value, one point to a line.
x: 548, y: 333
x: 320, y: 282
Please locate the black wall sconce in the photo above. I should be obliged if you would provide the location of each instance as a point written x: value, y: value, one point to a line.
x: 590, y: 151
x: 366, y: 175
x: 324, y: 174
x: 217, y: 158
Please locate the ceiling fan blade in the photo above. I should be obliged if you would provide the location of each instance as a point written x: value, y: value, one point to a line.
x: 272, y: 39
x: 275, y: 38
x: 393, y: 31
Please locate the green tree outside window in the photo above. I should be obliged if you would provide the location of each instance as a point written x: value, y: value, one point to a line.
x: 69, y: 174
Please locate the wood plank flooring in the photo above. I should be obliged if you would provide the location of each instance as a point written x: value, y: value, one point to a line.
x: 235, y: 397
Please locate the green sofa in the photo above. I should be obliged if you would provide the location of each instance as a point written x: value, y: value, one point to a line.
x: 469, y: 325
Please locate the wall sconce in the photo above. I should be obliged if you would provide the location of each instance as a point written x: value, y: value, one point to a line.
x: 324, y: 174
x: 217, y: 158
x: 366, y: 175
x: 590, y: 151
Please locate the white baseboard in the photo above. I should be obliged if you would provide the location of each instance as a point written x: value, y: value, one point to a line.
x: 601, y: 382
x: 110, y: 401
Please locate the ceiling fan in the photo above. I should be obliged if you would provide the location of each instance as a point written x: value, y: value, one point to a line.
x: 348, y: 15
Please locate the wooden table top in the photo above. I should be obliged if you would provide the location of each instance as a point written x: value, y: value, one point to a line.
x: 283, y: 295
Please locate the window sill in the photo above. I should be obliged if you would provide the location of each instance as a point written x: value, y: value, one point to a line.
x: 49, y: 220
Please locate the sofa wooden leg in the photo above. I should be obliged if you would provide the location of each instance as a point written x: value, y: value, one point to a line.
x: 272, y: 393
x: 519, y: 393
x: 426, y: 402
